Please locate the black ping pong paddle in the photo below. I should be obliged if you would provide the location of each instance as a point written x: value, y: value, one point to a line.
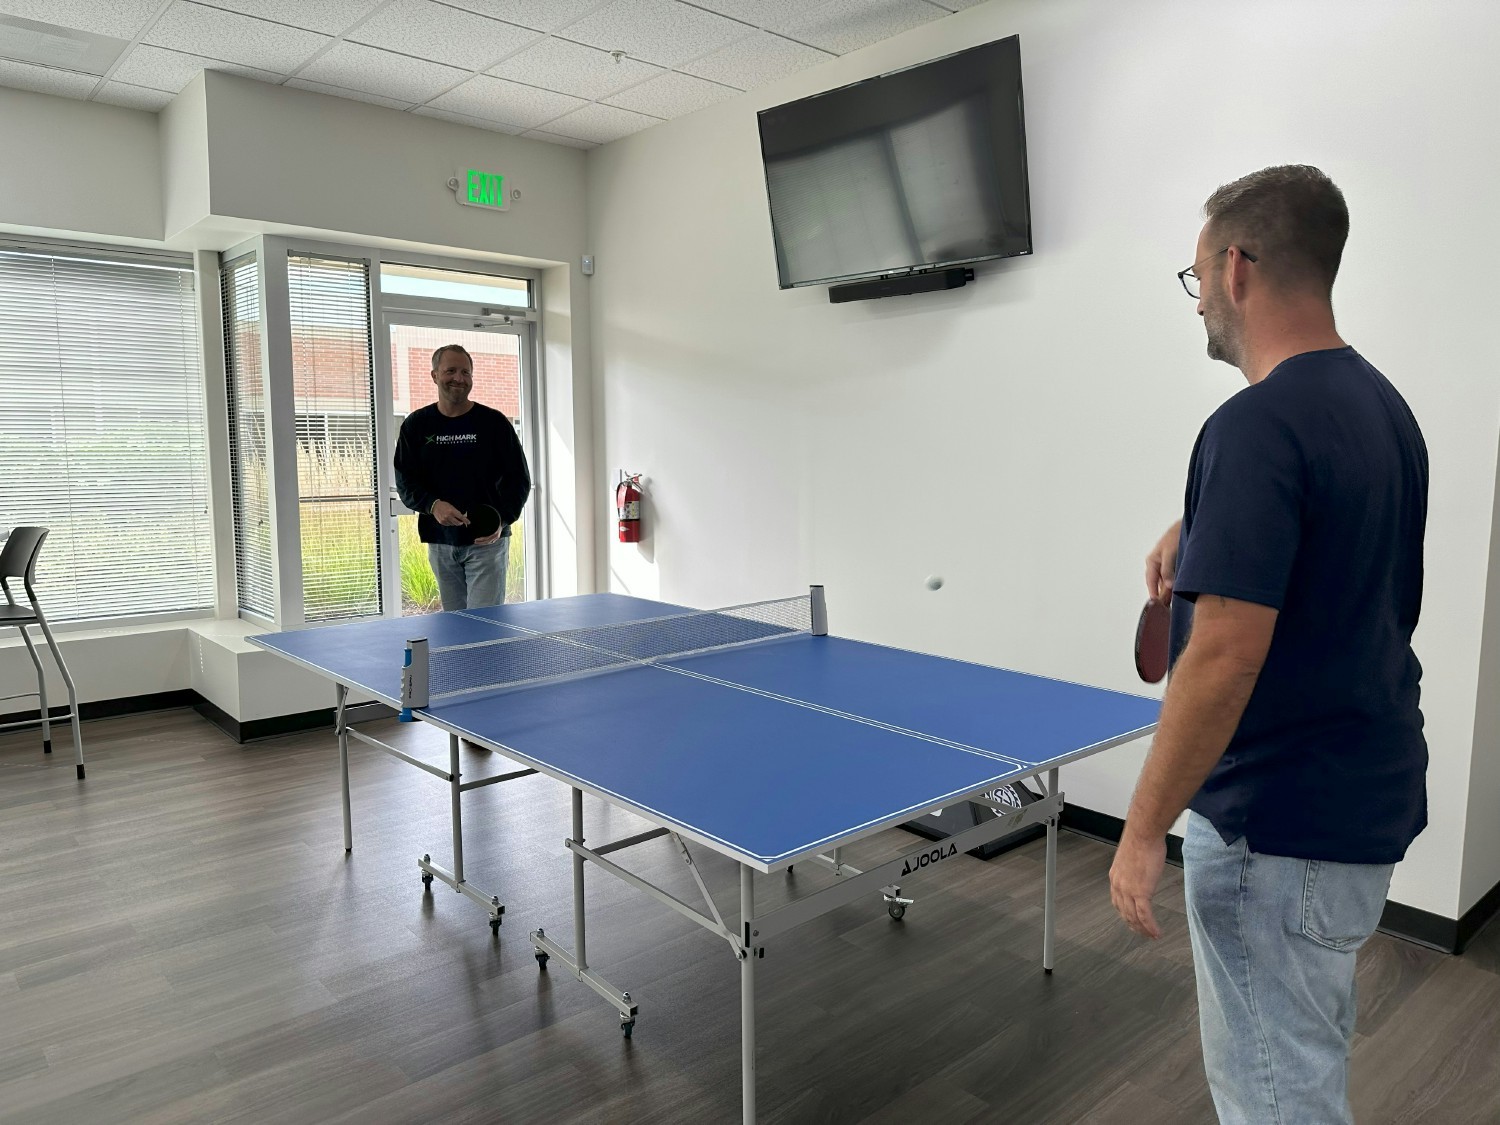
x: 1153, y: 641
x: 484, y: 521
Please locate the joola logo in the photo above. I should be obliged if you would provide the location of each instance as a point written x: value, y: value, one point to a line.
x: 928, y: 857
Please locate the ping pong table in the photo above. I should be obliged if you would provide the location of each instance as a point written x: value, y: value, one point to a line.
x: 747, y: 730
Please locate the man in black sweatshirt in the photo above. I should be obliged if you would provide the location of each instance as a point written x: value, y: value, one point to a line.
x: 452, y: 456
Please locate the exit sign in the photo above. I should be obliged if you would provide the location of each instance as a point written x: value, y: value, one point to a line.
x: 475, y: 188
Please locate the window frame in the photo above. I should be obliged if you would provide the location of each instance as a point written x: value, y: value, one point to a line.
x: 203, y: 270
x: 274, y: 251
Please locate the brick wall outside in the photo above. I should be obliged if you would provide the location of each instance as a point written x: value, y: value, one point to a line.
x: 330, y: 370
x: 497, y: 381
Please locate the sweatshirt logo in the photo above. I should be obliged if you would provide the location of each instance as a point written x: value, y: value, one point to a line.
x: 452, y: 439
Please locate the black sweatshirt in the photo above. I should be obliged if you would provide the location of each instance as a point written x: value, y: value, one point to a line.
x: 473, y: 459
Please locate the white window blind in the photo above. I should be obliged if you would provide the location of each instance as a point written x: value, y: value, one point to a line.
x: 102, y: 431
x: 334, y: 391
x: 240, y: 289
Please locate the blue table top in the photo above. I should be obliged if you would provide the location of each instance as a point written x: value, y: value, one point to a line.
x: 768, y: 753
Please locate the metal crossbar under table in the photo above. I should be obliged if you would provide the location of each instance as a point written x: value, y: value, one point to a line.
x: 748, y: 940
x: 456, y: 785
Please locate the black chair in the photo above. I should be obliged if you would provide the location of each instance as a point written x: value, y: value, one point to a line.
x: 18, y: 560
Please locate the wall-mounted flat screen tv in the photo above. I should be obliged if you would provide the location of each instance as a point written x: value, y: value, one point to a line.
x: 918, y: 169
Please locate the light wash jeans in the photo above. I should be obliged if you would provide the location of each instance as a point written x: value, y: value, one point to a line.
x: 1274, y: 941
x: 470, y: 577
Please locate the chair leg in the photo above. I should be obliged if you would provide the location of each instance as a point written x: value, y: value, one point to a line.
x: 41, y: 689
x: 72, y: 691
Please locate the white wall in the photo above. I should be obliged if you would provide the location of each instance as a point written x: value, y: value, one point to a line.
x: 289, y: 157
x: 1027, y: 436
x: 104, y: 664
x: 185, y: 164
x: 1481, y: 866
x: 106, y: 182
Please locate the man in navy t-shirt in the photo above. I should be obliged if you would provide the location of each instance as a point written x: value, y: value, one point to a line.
x: 1291, y: 725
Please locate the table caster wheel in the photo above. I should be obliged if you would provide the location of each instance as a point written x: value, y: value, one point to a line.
x: 541, y: 960
x: 627, y: 1026
x: 494, y: 925
x: 427, y: 879
x: 896, y: 910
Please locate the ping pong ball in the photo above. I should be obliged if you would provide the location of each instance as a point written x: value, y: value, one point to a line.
x: 934, y: 581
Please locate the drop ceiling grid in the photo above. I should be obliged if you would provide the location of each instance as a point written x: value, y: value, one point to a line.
x: 542, y: 68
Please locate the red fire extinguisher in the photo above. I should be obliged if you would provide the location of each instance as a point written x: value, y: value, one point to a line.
x: 628, y: 507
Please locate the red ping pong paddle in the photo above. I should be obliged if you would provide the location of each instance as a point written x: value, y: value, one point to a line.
x: 484, y: 521
x: 1153, y: 641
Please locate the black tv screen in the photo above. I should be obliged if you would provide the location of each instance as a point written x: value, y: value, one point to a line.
x: 917, y: 169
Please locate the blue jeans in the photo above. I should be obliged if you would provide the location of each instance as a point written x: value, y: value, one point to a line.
x: 470, y: 577
x: 1274, y: 941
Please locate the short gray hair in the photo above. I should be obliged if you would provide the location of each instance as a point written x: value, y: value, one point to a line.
x: 437, y: 356
x: 1291, y: 216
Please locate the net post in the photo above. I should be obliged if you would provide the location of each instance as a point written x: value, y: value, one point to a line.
x: 819, y: 613
x: 414, y: 679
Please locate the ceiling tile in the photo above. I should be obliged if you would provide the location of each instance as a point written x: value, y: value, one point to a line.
x: 543, y: 15
x: 756, y: 61
x: 773, y: 15
x: 672, y: 95
x: 664, y: 32
x: 332, y: 17
x: 161, y: 69
x: 123, y: 19
x: 600, y: 123
x: 133, y: 97
x: 351, y: 95
x: 202, y: 30
x: 467, y: 119
x: 847, y: 25
x: 45, y: 80
x: 443, y: 34
x: 554, y: 139
x: 571, y: 68
x: 500, y: 100
x: 357, y: 67
x: 62, y: 48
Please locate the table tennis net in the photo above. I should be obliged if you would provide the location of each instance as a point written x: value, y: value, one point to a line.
x: 487, y: 666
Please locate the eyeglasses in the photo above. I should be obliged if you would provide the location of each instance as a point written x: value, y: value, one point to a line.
x: 1190, y: 280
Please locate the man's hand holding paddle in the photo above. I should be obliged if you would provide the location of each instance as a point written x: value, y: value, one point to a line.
x: 485, y: 521
x: 1161, y: 565
x: 1152, y: 631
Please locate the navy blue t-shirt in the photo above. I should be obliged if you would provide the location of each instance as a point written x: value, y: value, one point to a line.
x: 1307, y: 492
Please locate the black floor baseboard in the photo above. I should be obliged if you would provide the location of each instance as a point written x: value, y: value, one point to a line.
x: 111, y: 708
x: 248, y: 731
x: 1448, y: 935
x: 253, y: 730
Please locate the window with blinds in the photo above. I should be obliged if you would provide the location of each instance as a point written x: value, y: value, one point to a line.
x: 249, y: 452
x: 334, y: 392
x: 102, y: 430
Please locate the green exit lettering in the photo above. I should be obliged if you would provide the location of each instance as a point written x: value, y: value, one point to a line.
x: 486, y: 189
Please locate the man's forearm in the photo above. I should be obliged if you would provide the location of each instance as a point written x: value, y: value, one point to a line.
x: 412, y: 494
x: 1204, y: 702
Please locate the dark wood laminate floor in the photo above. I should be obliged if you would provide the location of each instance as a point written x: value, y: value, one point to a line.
x: 183, y: 940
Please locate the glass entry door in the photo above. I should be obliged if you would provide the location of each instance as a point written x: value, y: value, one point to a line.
x: 503, y: 381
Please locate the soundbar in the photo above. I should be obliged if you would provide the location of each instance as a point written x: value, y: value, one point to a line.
x: 928, y: 282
